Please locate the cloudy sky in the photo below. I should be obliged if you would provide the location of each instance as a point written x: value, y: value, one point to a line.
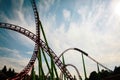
x: 90, y: 25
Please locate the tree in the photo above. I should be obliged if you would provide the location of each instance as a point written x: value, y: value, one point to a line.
x: 4, y: 70
x: 104, y: 73
x: 93, y: 76
x: 10, y: 70
x: 9, y: 73
x: 117, y: 70
x: 13, y: 71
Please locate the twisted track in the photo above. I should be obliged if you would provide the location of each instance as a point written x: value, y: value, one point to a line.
x: 38, y: 43
x: 42, y: 44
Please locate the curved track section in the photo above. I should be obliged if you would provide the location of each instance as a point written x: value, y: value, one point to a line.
x: 34, y: 56
x: 36, y: 16
x: 25, y: 71
x: 42, y: 44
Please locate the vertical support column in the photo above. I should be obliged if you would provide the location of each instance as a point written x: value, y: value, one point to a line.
x: 64, y: 64
x: 98, y: 71
x: 52, y: 63
x: 36, y: 15
x: 84, y: 67
x: 33, y: 74
x: 98, y: 68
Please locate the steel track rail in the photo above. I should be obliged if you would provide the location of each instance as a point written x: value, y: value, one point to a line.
x: 27, y: 68
x: 41, y: 43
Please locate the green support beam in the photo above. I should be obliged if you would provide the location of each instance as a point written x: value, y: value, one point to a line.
x: 85, y: 74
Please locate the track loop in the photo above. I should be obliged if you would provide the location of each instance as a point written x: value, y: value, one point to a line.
x: 41, y: 43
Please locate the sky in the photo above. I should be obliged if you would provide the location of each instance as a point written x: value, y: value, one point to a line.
x: 90, y: 25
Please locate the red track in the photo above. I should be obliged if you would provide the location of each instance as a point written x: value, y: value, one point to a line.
x: 38, y: 43
x: 42, y: 44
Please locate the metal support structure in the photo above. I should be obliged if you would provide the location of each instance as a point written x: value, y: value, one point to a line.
x: 36, y: 16
x: 64, y: 64
x: 38, y: 43
x: 86, y: 54
x: 33, y: 37
x: 84, y: 66
x: 82, y: 58
x: 80, y: 78
x: 98, y: 68
x: 42, y: 44
x: 68, y: 64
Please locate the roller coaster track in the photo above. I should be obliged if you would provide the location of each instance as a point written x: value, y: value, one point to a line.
x: 42, y: 44
x: 38, y: 43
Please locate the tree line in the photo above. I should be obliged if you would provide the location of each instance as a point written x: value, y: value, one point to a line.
x: 6, y: 73
x: 101, y: 75
x: 105, y: 75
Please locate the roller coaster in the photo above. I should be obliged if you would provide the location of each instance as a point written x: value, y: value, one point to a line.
x: 39, y: 43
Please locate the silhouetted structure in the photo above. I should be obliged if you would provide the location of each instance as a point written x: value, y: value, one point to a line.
x: 102, y: 75
x: 114, y: 77
x: 105, y: 75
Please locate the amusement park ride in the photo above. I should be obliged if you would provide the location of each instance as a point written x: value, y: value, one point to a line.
x: 41, y: 45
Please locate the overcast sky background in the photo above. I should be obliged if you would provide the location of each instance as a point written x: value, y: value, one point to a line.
x: 91, y: 25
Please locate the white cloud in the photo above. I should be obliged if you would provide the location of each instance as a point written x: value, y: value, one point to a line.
x: 13, y: 52
x: 66, y: 14
x: 82, y: 12
x: 13, y: 59
x: 30, y: 52
x: 45, y: 5
x: 100, y: 41
x: 17, y: 64
x: 21, y: 20
x: 114, y: 6
x: 97, y: 34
